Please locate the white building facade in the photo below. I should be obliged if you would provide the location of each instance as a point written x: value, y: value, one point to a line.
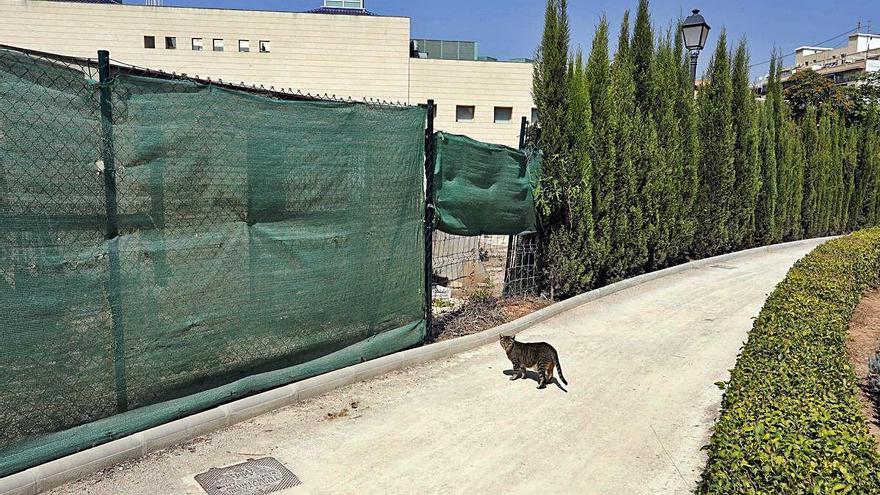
x: 339, y: 48
x: 843, y: 65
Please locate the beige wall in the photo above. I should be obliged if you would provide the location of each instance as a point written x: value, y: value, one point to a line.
x: 357, y: 56
x: 346, y: 56
x: 484, y: 85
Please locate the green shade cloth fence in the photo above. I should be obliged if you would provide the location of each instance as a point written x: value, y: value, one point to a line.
x: 482, y: 188
x: 261, y: 241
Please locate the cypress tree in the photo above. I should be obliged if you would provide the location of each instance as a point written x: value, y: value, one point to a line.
x: 776, y: 99
x: 643, y: 58
x: 868, y: 171
x: 716, y: 171
x: 812, y: 173
x: 838, y: 135
x: 646, y: 158
x: 850, y: 163
x: 872, y: 159
x: 570, y: 245
x: 656, y: 203
x: 823, y: 178
x: 766, y: 230
x: 602, y: 150
x: 666, y: 162
x: 784, y: 174
x: 551, y: 91
x: 550, y: 87
x: 784, y: 166
x: 795, y: 156
x: 746, y: 165
x: 628, y: 237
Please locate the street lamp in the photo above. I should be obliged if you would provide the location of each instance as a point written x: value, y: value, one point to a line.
x: 695, y: 31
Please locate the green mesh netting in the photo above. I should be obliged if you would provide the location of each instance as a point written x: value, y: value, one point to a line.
x: 260, y: 242
x: 482, y: 188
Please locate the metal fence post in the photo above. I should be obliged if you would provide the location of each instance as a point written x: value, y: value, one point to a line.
x: 107, y: 155
x: 114, y: 288
x: 511, y: 252
x: 429, y: 221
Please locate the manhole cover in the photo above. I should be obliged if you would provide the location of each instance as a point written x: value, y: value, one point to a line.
x: 254, y: 477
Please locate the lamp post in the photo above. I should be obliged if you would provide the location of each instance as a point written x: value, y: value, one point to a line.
x: 694, y: 30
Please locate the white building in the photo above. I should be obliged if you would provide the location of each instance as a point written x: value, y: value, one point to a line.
x: 340, y: 48
x: 843, y: 65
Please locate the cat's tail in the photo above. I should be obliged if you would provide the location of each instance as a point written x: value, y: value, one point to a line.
x: 558, y: 366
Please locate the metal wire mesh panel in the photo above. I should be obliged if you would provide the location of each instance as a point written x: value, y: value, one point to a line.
x: 497, y: 266
x: 168, y: 245
x: 523, y: 276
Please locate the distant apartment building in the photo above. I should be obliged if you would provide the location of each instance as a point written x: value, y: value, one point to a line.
x: 842, y: 65
x: 340, y: 48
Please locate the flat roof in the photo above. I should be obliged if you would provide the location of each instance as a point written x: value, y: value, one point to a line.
x: 316, y: 11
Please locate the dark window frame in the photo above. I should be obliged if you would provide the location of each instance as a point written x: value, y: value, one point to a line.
x: 495, y: 115
x: 473, y: 113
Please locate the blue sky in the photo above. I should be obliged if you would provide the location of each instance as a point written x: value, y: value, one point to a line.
x: 511, y: 28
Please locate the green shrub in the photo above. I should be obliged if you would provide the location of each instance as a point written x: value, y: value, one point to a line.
x: 791, y: 420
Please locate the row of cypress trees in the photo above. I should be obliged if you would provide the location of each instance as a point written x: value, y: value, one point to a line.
x: 638, y: 174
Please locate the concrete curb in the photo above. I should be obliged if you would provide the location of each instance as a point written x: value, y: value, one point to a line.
x: 70, y: 468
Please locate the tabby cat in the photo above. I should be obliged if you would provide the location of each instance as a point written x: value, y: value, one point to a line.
x: 540, y: 356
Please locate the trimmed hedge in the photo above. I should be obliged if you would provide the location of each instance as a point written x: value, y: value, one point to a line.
x: 791, y: 420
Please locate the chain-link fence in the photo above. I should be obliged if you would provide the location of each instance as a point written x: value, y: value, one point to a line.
x: 500, y: 266
x: 477, y: 273
x: 480, y: 282
x: 169, y: 243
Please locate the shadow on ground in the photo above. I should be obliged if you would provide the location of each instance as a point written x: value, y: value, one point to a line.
x: 531, y: 375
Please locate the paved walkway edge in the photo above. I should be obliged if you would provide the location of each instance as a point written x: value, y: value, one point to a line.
x: 75, y: 466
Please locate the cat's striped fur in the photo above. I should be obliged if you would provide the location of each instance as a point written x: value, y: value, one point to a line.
x: 540, y: 356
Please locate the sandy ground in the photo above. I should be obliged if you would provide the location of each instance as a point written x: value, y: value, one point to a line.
x: 864, y: 342
x: 641, y: 402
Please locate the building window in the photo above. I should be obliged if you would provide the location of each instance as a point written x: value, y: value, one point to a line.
x: 149, y: 42
x: 534, y: 116
x: 197, y: 44
x: 503, y: 115
x: 265, y: 46
x: 244, y: 45
x: 344, y: 4
x: 218, y: 45
x: 170, y: 43
x: 464, y: 113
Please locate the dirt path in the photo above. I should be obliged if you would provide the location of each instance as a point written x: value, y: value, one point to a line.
x: 864, y: 331
x: 641, y: 402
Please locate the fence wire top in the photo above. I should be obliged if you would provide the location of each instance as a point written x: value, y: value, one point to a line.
x: 89, y: 66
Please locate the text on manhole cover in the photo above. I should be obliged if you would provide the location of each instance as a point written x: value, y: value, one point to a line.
x: 254, y: 477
